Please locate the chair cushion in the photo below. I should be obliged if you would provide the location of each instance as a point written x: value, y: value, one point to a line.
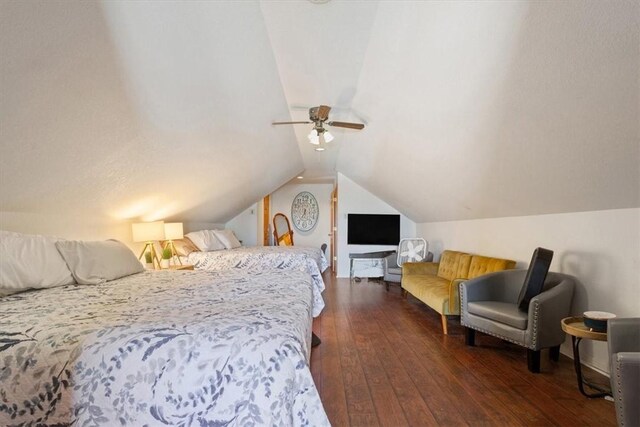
x: 431, y: 290
x: 501, y: 312
x: 536, y: 275
x: 394, y: 270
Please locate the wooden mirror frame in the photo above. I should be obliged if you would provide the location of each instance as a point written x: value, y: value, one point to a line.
x: 285, y: 239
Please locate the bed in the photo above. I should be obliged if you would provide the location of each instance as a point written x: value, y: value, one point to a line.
x: 161, y: 348
x: 261, y: 258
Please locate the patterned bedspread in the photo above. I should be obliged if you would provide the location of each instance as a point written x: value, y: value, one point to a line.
x: 161, y: 348
x: 262, y: 258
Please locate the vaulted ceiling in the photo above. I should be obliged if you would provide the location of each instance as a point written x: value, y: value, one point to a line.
x: 473, y: 109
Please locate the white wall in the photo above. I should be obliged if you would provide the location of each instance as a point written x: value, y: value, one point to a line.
x: 67, y: 226
x: 352, y: 198
x: 83, y: 227
x: 245, y: 225
x: 281, y: 200
x: 600, y: 248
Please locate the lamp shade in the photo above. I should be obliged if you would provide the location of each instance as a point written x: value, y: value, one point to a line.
x: 327, y: 136
x: 313, y: 137
x: 148, y: 231
x: 173, y: 230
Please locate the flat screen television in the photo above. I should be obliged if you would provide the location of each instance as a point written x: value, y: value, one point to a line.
x: 371, y: 229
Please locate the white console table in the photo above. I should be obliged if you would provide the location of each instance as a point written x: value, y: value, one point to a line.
x: 367, y: 256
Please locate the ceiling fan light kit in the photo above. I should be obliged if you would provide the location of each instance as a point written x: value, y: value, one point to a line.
x: 327, y: 136
x: 318, y: 116
x: 313, y: 137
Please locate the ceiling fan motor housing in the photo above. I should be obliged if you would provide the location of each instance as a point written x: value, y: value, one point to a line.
x: 319, y: 113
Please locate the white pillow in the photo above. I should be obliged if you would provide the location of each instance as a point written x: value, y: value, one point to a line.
x: 92, y: 263
x: 30, y: 262
x: 199, y: 238
x: 215, y: 244
x: 228, y: 239
x: 205, y: 240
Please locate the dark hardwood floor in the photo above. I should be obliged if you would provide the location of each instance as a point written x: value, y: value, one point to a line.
x: 384, y: 361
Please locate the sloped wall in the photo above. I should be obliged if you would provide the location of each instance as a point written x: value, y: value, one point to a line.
x: 80, y: 227
x: 245, y: 225
x: 601, y: 248
x: 130, y: 110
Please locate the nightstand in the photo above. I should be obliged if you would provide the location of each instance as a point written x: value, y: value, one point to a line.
x: 180, y: 267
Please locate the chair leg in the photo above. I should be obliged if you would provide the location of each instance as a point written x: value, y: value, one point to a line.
x: 404, y: 293
x: 444, y: 324
x: 470, y: 336
x: 315, y: 340
x: 533, y: 361
x: 387, y: 285
x: 554, y: 353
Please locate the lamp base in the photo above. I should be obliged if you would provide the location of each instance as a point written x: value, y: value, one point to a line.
x: 174, y: 252
x: 154, y: 255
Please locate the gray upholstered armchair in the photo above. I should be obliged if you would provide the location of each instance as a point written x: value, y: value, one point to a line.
x: 489, y: 304
x: 624, y: 356
x: 393, y: 272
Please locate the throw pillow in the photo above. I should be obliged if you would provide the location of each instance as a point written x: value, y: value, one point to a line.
x: 92, y: 263
x: 30, y: 262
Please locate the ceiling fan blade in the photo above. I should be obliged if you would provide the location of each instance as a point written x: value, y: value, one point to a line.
x: 346, y: 125
x: 323, y: 112
x: 290, y: 123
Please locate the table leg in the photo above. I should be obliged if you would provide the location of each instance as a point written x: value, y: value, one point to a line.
x: 575, y: 341
x: 351, y: 270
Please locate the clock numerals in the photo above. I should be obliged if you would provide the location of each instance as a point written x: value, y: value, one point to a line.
x: 304, y: 211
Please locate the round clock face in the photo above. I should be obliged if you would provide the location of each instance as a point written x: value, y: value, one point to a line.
x: 304, y: 211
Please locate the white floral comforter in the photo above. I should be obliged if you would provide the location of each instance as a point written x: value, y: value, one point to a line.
x: 262, y: 258
x: 161, y: 348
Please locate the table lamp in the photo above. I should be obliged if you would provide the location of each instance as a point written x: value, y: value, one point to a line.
x: 173, y: 231
x: 148, y: 232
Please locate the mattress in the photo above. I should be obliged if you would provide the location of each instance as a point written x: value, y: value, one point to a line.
x: 262, y: 258
x: 161, y: 348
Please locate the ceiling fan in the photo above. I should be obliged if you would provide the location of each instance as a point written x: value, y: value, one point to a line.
x: 318, y: 116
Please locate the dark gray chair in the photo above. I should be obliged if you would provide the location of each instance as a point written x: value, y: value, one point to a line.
x: 489, y: 304
x: 623, y: 336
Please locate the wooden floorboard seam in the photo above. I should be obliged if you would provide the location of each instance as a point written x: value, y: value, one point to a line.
x: 385, y: 361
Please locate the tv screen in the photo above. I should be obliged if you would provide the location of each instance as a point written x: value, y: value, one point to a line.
x: 368, y: 229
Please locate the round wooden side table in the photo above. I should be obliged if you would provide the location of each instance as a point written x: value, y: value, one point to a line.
x: 575, y: 327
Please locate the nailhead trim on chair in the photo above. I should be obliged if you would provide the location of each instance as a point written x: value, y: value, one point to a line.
x: 619, y: 400
x: 464, y: 299
x: 536, y: 311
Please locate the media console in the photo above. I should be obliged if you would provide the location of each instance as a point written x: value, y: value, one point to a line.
x: 380, y: 255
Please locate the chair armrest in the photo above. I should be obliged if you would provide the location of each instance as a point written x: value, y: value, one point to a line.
x: 501, y: 286
x: 625, y: 371
x: 546, y: 311
x: 415, y: 268
x: 623, y: 335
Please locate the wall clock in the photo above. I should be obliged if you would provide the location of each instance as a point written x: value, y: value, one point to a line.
x: 304, y: 211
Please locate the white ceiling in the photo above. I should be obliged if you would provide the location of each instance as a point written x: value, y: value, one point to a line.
x: 473, y: 109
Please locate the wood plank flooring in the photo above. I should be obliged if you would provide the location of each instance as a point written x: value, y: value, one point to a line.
x: 384, y: 361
